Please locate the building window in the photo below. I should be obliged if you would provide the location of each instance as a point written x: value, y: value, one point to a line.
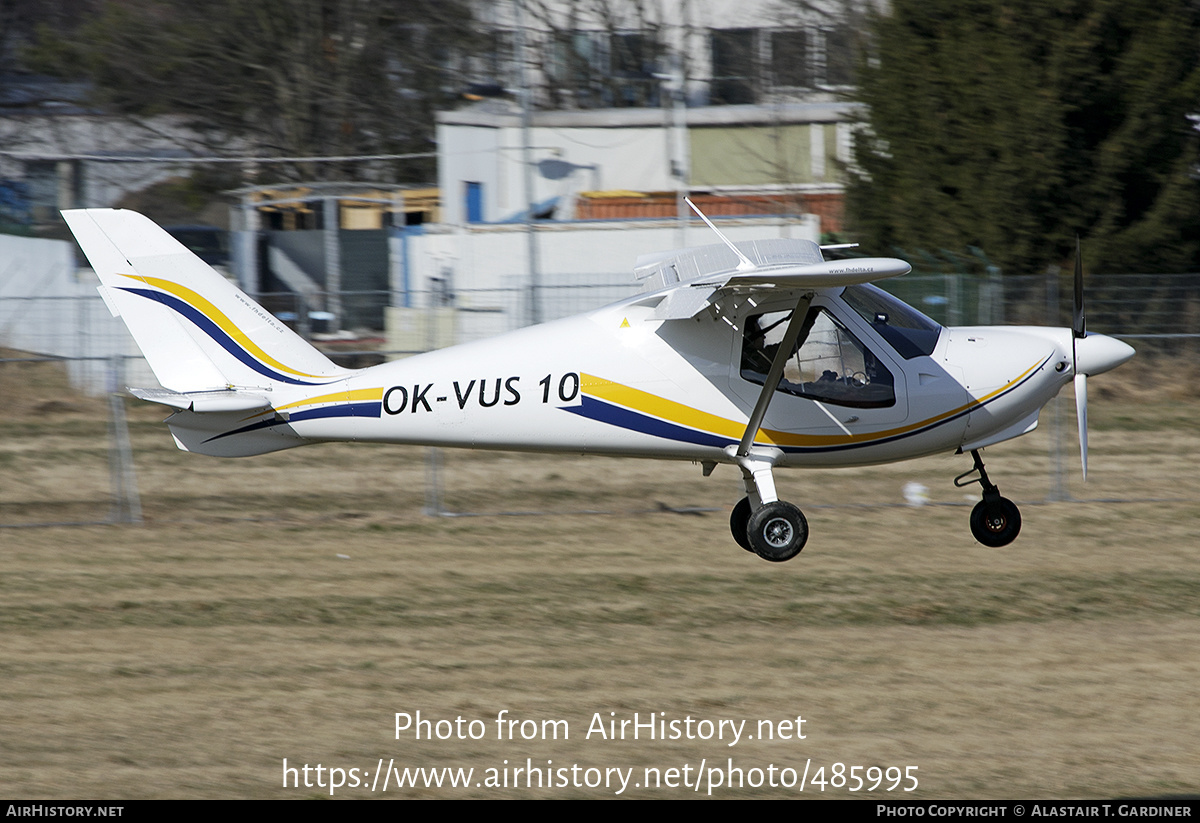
x: 745, y: 62
x: 790, y: 59
x: 735, y: 66
x: 591, y: 69
x: 497, y: 64
x: 634, y: 61
x: 840, y: 56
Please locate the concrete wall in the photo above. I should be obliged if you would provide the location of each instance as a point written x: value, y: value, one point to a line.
x: 48, y: 306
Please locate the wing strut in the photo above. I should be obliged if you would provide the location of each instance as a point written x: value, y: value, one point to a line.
x: 800, y: 324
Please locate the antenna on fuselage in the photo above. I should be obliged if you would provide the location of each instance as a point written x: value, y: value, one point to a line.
x: 746, y: 264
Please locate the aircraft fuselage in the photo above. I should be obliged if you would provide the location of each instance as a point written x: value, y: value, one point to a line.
x: 617, y: 382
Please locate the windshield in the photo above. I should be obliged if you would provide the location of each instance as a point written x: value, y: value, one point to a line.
x: 911, y: 333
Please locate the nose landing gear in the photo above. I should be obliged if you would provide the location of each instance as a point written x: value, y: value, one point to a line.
x: 995, y: 520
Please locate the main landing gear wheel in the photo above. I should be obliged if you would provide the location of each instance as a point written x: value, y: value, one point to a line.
x: 777, y: 531
x: 996, y: 522
x: 739, y: 519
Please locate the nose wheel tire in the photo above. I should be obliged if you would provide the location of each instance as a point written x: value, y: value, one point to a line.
x: 739, y: 519
x: 996, y: 522
x: 777, y: 531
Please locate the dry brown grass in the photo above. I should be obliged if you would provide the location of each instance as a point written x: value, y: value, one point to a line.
x: 288, y: 605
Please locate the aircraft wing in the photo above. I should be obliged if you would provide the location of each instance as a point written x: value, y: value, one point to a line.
x: 824, y: 275
x: 791, y: 265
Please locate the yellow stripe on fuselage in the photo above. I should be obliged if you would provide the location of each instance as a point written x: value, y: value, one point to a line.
x: 660, y: 407
x: 672, y: 412
x: 336, y: 397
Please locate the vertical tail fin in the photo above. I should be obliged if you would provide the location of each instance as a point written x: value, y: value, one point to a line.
x: 198, y: 331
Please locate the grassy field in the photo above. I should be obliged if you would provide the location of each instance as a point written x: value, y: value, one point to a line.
x: 288, y: 606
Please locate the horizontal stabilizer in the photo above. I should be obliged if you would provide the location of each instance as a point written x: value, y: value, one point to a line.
x: 217, y: 400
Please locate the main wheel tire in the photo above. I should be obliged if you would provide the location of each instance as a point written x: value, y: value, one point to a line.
x: 777, y: 531
x: 996, y: 524
x: 739, y: 519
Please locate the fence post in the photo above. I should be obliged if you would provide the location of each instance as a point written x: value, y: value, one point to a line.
x: 331, y: 214
x: 442, y: 296
x: 1058, y: 484
x: 953, y: 300
x: 991, y: 298
x: 433, y: 482
x: 126, y: 504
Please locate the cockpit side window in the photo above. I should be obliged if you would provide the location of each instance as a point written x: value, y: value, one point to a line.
x: 910, y: 333
x: 828, y: 364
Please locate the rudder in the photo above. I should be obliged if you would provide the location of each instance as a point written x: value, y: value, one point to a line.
x: 198, y: 331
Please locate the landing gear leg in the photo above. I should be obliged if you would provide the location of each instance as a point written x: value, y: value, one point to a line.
x: 775, y: 531
x: 995, y: 520
x: 760, y: 522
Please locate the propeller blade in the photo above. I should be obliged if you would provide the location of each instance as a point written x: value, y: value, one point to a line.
x: 1078, y: 325
x: 1081, y: 417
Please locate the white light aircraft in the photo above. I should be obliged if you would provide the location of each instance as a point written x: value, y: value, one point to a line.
x: 758, y: 354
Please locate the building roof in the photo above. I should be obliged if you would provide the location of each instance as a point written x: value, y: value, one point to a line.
x: 38, y: 94
x: 743, y: 115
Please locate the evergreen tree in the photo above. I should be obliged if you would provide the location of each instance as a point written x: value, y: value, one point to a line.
x: 1012, y: 125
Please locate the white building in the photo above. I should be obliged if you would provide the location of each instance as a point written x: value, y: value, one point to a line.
x: 56, y: 153
x: 791, y: 153
x: 607, y: 53
x: 631, y: 106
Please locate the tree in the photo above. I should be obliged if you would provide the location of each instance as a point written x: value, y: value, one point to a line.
x: 1013, y: 125
x: 289, y: 78
x: 20, y: 19
x: 598, y: 53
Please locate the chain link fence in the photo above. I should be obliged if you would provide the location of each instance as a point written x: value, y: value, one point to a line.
x: 1158, y: 313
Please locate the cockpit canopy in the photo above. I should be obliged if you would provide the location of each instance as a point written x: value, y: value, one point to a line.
x: 829, y: 363
x: 911, y: 333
